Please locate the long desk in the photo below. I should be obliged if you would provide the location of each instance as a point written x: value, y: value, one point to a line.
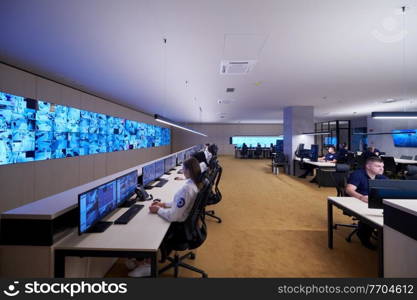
x: 359, y: 210
x: 405, y: 161
x: 318, y: 164
x: 140, y: 238
x: 266, y: 152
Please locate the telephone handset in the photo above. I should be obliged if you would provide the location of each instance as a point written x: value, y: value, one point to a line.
x: 142, y: 195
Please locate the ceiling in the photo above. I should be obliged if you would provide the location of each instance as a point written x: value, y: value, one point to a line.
x: 343, y: 57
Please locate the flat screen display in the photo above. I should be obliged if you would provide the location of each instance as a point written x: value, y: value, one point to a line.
x: 126, y: 186
x: 405, y: 138
x: 148, y: 174
x: 159, y: 168
x: 252, y: 141
x: 96, y: 204
x: 34, y: 130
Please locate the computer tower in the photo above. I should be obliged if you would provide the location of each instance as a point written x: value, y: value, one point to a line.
x: 314, y: 152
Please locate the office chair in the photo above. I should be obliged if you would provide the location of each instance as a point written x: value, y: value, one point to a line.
x: 257, y: 153
x: 415, y: 157
x: 411, y: 172
x: 187, y: 235
x: 340, y: 180
x: 214, y: 196
x: 360, y: 162
x: 406, y: 157
x: 280, y: 160
x: 350, y: 160
x: 390, y: 168
x: 244, y: 153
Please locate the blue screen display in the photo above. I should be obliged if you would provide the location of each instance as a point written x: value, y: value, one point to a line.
x: 33, y: 130
x: 97, y: 203
x: 405, y: 137
x: 330, y: 141
x: 159, y: 168
x: 148, y: 174
x: 126, y: 186
x: 252, y: 141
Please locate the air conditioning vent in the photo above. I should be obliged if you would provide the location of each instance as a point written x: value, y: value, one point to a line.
x: 228, y: 67
x: 225, y: 101
x: 230, y: 90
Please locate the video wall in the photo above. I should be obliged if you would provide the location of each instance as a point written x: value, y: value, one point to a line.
x: 405, y: 137
x: 252, y: 141
x: 32, y: 130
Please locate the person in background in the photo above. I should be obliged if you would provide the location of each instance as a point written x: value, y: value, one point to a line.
x: 358, y: 187
x: 207, y: 153
x: 330, y: 156
x: 370, y: 152
x: 175, y: 211
x: 341, y: 155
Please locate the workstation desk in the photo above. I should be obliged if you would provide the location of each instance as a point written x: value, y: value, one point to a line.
x: 358, y: 209
x: 317, y: 164
x: 266, y: 152
x: 140, y: 238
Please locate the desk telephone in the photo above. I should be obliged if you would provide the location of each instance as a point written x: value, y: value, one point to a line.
x: 142, y: 195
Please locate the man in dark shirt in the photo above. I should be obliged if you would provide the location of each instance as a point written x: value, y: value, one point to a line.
x: 330, y: 156
x: 358, y: 187
x: 341, y: 155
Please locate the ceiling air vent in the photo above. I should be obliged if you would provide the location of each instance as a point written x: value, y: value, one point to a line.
x: 225, y: 101
x: 230, y: 90
x: 241, y: 67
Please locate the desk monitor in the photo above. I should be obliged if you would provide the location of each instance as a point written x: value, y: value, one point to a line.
x: 169, y: 163
x: 94, y: 205
x: 159, y: 168
x: 180, y: 158
x: 380, y: 189
x: 126, y: 186
x: 148, y: 174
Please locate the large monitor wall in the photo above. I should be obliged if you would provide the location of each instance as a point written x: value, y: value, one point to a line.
x: 34, y: 130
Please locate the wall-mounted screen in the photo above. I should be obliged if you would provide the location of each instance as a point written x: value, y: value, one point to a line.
x: 405, y: 137
x: 33, y: 130
x: 252, y: 141
x: 330, y: 140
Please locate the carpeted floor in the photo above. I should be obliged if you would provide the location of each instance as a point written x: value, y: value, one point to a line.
x: 273, y: 226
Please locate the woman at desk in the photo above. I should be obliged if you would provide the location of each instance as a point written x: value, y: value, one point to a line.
x: 358, y: 187
x: 175, y: 211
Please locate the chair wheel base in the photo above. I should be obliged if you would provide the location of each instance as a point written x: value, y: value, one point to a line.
x: 192, y: 255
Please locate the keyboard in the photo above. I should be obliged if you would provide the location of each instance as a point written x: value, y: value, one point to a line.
x: 129, y: 214
x: 161, y: 183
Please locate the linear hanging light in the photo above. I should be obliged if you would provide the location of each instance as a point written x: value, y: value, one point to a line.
x: 164, y: 120
x: 316, y: 133
x: 395, y: 115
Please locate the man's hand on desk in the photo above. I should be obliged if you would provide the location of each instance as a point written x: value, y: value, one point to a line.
x: 364, y: 198
x: 159, y: 204
x: 154, y: 208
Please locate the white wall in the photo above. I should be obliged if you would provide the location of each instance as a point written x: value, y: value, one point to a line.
x: 220, y: 134
x: 26, y: 182
x: 385, y: 142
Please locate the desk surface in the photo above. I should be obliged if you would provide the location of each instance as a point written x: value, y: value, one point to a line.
x: 361, y: 208
x: 144, y: 232
x: 317, y: 163
x: 53, y: 206
x: 405, y: 161
x: 406, y: 205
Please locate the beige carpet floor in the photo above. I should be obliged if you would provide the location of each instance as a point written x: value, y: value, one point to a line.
x: 273, y: 226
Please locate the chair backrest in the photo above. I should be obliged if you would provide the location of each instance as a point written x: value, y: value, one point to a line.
x: 340, y: 178
x: 411, y: 173
x: 195, y: 226
x: 280, y: 158
x: 342, y: 168
x: 406, y: 157
x: 389, y: 164
x: 415, y: 157
x: 215, y: 196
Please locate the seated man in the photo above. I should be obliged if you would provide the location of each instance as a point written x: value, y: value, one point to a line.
x: 330, y: 156
x: 341, y: 155
x: 370, y: 152
x: 358, y: 187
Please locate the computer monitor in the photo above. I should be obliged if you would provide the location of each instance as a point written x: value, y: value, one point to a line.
x: 126, y: 186
x: 148, y: 174
x: 180, y: 158
x: 159, y: 168
x: 169, y: 163
x: 94, y: 205
x: 380, y: 189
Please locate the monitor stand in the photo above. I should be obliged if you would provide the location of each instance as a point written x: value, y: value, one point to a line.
x: 129, y: 203
x: 100, y: 226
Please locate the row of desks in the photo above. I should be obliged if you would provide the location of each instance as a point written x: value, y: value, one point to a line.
x: 140, y: 238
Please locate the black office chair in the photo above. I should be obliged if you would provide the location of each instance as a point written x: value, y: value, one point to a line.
x: 360, y: 162
x: 187, y: 235
x: 257, y: 153
x: 244, y: 153
x: 406, y: 157
x: 280, y: 160
x: 411, y: 172
x: 350, y: 160
x: 390, y: 168
x: 415, y: 157
x: 340, y: 180
x: 215, y: 196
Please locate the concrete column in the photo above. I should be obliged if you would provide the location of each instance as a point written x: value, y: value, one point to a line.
x: 297, y: 119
